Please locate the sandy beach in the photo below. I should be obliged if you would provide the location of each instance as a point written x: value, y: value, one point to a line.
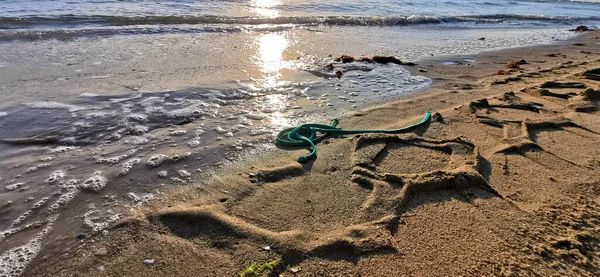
x: 503, y: 181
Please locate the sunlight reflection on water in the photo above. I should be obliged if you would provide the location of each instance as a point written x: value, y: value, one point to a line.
x: 269, y: 58
x: 265, y: 8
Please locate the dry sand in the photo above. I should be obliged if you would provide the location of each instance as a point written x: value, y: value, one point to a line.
x: 504, y: 181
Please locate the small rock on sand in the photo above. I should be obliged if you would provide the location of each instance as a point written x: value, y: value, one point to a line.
x: 101, y: 251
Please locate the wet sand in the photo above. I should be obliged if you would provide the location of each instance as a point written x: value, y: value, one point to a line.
x: 503, y: 181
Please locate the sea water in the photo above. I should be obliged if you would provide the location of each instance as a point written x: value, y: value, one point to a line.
x: 106, y: 105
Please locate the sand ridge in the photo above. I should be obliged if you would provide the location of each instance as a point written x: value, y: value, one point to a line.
x: 504, y: 183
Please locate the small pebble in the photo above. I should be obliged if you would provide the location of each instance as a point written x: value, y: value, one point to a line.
x: 101, y: 251
x: 148, y: 261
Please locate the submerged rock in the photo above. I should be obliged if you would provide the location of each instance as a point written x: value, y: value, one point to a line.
x: 580, y: 28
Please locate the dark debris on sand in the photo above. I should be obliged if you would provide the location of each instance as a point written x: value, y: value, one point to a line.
x: 374, y: 59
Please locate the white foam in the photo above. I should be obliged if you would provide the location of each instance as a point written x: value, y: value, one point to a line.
x: 184, y: 173
x: 138, y: 129
x: 99, y: 223
x: 100, y: 114
x: 220, y: 130
x: 20, y: 219
x: 14, y: 230
x: 94, y: 183
x: 46, y: 159
x: 245, y: 122
x: 36, y: 167
x: 198, y: 131
x: 162, y: 173
x: 259, y: 131
x: 177, y: 180
x: 156, y: 160
x: 151, y: 101
x: 178, y: 133
x: 194, y: 143
x: 100, y: 76
x: 3, y: 114
x: 68, y: 140
x: 138, y: 117
x: 64, y: 199
x: 55, y: 176
x: 15, y: 260
x: 137, y: 140
x: 87, y: 94
x: 117, y: 100
x: 40, y: 203
x: 140, y: 199
x: 54, y: 105
x: 128, y: 165
x: 116, y: 159
x: 254, y: 116
x: 62, y: 149
x: 69, y: 184
x: 188, y: 112
x: 14, y: 186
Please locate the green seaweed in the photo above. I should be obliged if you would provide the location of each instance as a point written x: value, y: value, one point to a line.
x: 260, y: 270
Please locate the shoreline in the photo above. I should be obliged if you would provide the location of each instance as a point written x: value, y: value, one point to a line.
x: 171, y: 62
x: 310, y: 215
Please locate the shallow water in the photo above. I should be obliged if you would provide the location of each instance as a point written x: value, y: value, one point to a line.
x: 108, y: 104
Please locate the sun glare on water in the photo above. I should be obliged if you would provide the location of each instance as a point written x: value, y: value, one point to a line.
x: 270, y: 62
x: 270, y: 52
x: 269, y: 58
x: 266, y: 8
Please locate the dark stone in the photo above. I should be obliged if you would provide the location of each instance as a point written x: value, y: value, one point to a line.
x: 581, y: 28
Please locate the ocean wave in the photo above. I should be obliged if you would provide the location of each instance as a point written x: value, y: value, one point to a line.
x: 74, y: 33
x: 68, y: 34
x: 70, y: 27
x: 396, y: 20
